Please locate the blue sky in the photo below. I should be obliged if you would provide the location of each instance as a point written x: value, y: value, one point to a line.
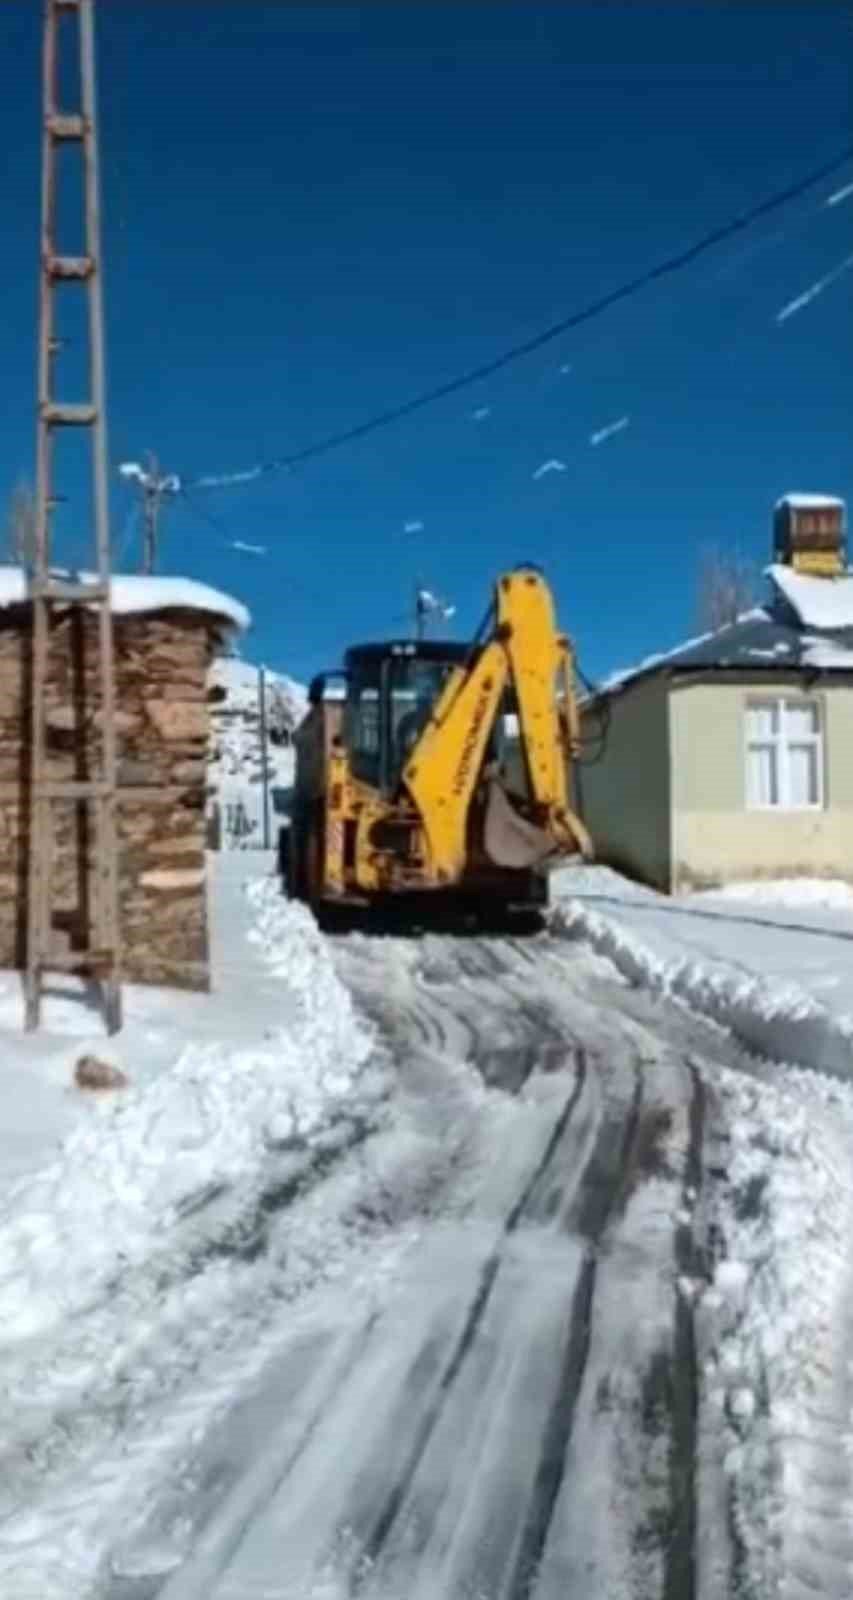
x: 311, y: 213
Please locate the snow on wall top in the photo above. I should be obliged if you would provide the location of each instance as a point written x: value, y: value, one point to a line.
x: 808, y: 502
x: 818, y: 602
x: 131, y: 595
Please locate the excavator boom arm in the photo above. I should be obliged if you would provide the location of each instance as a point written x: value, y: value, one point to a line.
x: 445, y: 766
x: 537, y: 653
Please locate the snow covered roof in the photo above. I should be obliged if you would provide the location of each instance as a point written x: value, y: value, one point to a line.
x: 809, y: 502
x: 817, y: 602
x: 672, y: 658
x: 827, y: 655
x: 140, y: 594
x: 759, y: 639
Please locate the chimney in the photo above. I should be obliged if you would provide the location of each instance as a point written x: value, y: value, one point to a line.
x: 809, y: 534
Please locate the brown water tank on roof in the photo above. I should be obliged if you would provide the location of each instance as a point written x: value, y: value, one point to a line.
x: 809, y: 534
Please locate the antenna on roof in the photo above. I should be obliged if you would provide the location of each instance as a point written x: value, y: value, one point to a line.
x: 429, y: 606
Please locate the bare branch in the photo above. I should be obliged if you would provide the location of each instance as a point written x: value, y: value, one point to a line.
x: 21, y: 525
x: 727, y: 585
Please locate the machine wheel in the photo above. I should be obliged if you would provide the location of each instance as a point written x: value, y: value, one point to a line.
x: 293, y: 868
x: 313, y: 857
x: 284, y: 862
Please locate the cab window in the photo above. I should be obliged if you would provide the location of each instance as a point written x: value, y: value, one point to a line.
x: 364, y: 729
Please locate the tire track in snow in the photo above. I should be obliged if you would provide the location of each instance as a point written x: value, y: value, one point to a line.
x: 422, y: 1520
x: 375, y: 1541
x: 488, y: 1019
x: 455, y: 1435
x: 605, y: 1177
x: 619, y: 1150
x: 322, y: 1381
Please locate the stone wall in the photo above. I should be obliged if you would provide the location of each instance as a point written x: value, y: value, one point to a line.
x: 162, y: 662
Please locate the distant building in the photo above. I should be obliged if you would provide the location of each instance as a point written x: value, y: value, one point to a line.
x: 236, y: 789
x: 731, y: 756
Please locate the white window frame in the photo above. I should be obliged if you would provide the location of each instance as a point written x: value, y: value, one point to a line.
x: 780, y: 742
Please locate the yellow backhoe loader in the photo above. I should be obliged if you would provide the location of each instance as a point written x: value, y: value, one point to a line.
x: 431, y: 769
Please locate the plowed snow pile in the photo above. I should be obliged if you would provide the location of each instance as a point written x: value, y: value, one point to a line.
x: 133, y: 1164
x: 775, y: 1333
x: 132, y: 1260
x: 773, y: 962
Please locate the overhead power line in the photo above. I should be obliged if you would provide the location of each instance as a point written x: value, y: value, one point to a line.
x: 204, y: 514
x: 595, y: 308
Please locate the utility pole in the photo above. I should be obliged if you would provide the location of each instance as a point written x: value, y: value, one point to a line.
x: 154, y: 486
x: 421, y: 611
x: 89, y: 603
x: 151, y: 514
x: 265, y: 765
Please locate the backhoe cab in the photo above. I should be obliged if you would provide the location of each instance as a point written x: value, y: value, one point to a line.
x: 440, y: 769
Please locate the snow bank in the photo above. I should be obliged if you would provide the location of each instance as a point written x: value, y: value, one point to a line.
x: 774, y: 1329
x: 775, y: 1016
x: 773, y: 1299
x: 137, y: 594
x: 132, y: 1168
x: 831, y: 893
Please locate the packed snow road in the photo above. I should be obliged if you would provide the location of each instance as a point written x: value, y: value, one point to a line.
x: 451, y: 1268
x: 514, y: 1413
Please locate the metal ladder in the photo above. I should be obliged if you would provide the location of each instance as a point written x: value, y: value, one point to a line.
x: 95, y: 795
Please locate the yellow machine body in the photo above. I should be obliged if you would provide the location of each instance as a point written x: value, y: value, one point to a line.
x: 457, y: 813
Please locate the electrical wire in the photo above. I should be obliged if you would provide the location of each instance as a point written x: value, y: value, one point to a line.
x: 205, y: 515
x: 670, y: 264
x: 602, y: 710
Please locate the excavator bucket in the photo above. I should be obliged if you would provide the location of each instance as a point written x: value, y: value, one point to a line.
x: 509, y: 839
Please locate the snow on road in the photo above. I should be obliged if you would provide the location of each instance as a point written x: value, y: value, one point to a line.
x: 491, y: 1418
x: 777, y: 970
x: 448, y: 1268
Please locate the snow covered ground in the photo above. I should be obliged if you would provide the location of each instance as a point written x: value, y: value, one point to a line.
x: 440, y: 1267
x: 774, y: 1330
x: 774, y: 962
x: 123, y: 1216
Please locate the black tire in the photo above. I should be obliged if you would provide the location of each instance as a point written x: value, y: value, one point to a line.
x: 296, y: 863
x: 284, y: 862
x: 512, y: 919
x: 313, y: 858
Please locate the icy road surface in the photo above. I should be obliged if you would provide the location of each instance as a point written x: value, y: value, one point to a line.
x: 514, y: 1282
x: 503, y: 1402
